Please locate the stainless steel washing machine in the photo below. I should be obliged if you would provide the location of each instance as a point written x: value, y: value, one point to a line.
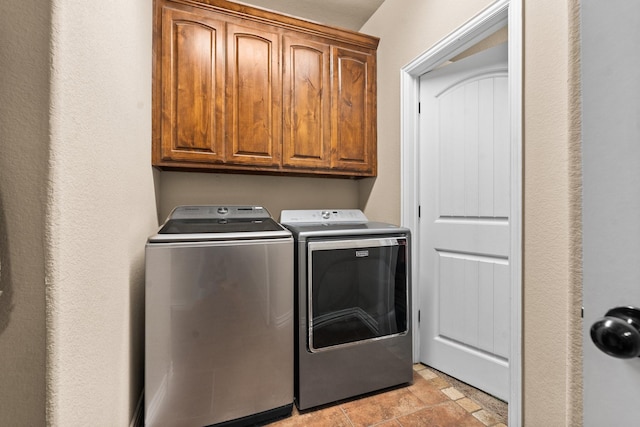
x: 218, y: 318
x: 353, y: 305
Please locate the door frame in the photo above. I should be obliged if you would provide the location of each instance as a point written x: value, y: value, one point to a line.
x: 497, y: 15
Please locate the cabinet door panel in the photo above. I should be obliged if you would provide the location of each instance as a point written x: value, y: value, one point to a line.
x: 307, y: 103
x: 192, y: 87
x: 354, y: 112
x: 254, y: 98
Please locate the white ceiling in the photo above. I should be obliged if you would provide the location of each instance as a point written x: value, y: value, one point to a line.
x: 350, y: 14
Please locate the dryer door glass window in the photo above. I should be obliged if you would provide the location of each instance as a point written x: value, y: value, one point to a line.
x: 357, y: 289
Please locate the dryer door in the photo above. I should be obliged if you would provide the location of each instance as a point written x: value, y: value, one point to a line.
x: 357, y: 291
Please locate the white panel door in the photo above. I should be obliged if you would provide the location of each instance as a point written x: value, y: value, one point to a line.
x: 464, y: 224
x: 611, y: 202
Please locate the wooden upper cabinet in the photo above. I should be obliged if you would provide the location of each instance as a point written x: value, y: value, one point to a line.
x: 307, y: 103
x: 254, y: 106
x: 237, y: 88
x: 192, y: 88
x: 354, y: 111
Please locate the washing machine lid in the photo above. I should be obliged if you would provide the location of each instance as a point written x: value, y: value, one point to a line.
x: 218, y: 225
x: 205, y: 223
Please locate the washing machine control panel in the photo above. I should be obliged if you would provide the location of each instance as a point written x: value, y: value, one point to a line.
x: 213, y: 212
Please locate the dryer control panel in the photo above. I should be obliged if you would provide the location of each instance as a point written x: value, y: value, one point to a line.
x: 322, y: 216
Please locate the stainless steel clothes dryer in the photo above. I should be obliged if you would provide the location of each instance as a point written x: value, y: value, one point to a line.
x: 218, y: 318
x: 353, y: 305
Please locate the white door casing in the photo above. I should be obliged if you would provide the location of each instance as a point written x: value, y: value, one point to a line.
x: 611, y: 200
x: 494, y: 17
x: 464, y: 227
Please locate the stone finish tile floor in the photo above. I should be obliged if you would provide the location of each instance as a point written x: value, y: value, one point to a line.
x: 433, y: 400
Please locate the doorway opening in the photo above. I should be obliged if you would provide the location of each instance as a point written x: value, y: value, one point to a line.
x: 465, y: 222
x: 500, y: 19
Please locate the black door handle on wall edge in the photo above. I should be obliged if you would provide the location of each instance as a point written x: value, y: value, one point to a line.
x: 618, y: 333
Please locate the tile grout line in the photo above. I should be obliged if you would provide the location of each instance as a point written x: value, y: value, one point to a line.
x: 463, y: 396
x: 346, y: 416
x: 413, y: 412
x: 481, y: 409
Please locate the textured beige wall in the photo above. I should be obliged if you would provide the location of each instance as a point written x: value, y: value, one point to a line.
x: 273, y: 192
x: 101, y: 208
x: 24, y: 95
x: 551, y: 288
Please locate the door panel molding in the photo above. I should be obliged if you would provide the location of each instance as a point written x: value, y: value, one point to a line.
x: 494, y: 17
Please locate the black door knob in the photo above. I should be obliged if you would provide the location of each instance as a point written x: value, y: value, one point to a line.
x: 618, y: 333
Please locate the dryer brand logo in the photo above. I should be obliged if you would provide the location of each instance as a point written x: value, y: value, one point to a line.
x: 362, y: 254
